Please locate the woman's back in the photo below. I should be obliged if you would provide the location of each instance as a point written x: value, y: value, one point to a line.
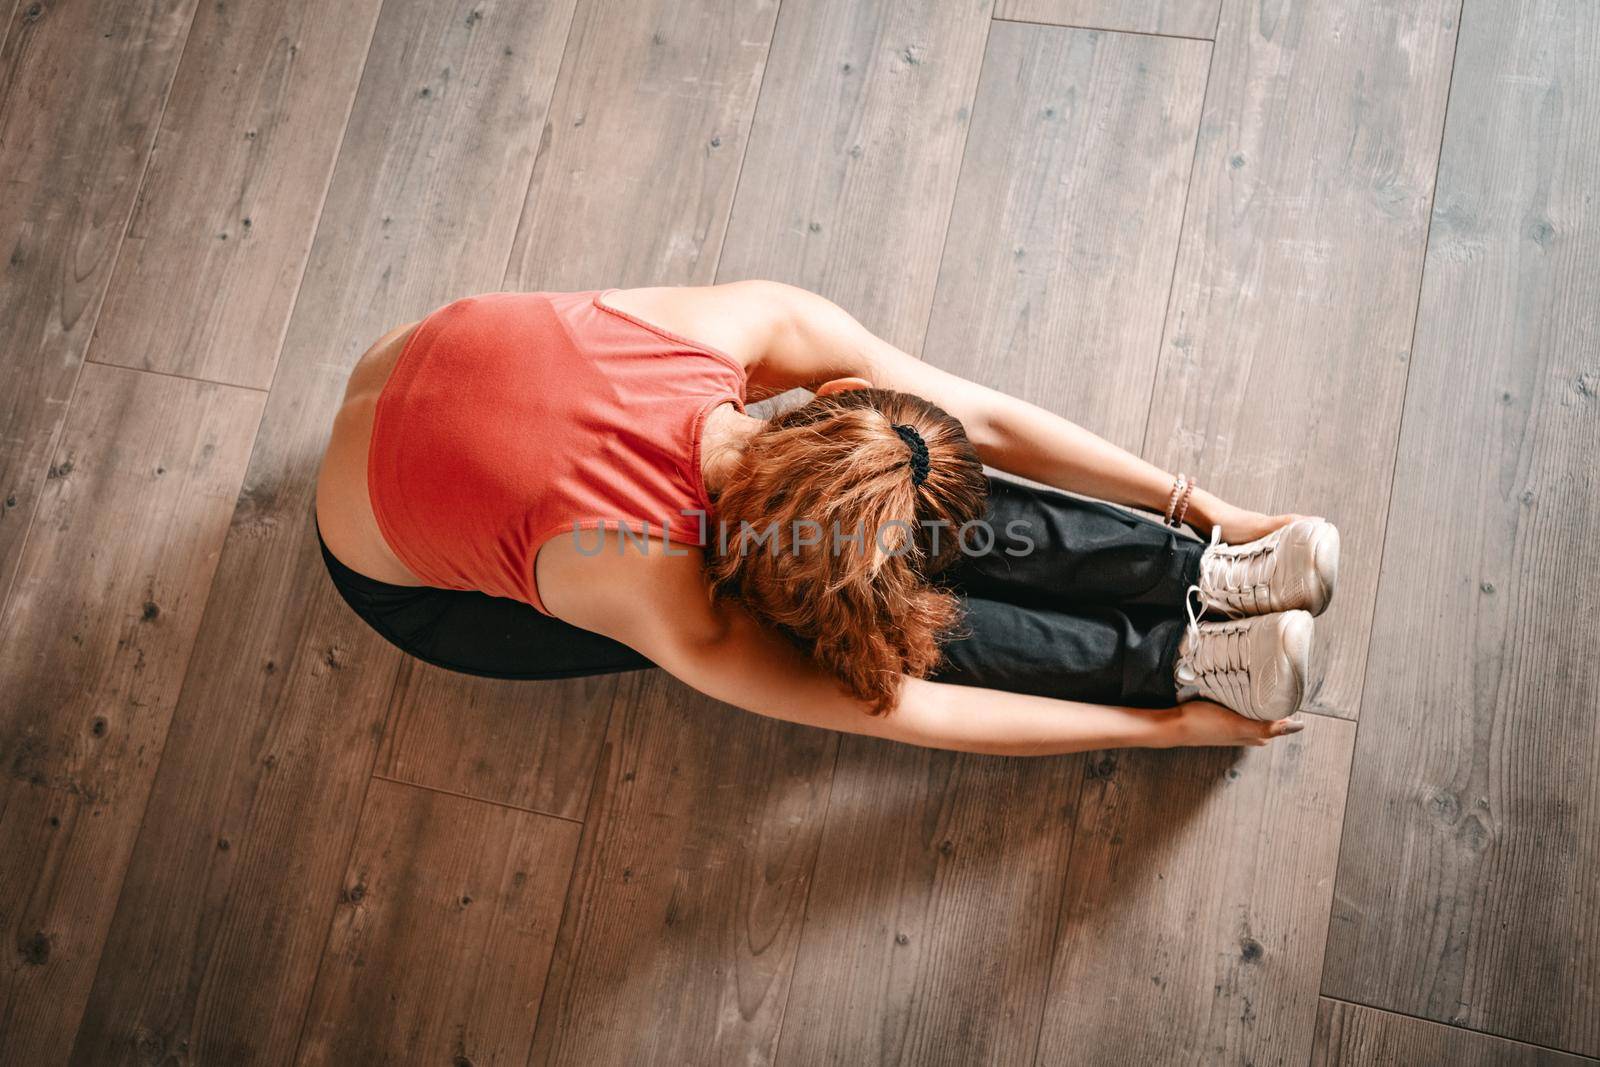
x: 500, y: 421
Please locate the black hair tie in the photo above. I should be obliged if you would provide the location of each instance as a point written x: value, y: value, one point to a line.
x: 919, y: 451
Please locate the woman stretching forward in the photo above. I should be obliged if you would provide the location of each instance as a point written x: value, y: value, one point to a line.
x: 545, y: 485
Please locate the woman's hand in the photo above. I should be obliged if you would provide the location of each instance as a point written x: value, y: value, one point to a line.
x: 1238, y: 525
x: 1201, y: 723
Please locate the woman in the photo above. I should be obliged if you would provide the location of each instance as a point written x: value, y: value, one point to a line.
x: 538, y: 485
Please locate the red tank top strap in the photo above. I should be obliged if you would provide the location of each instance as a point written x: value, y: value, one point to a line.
x: 599, y: 301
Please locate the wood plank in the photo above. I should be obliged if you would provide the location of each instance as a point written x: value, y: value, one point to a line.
x: 1065, y: 228
x: 93, y: 645
x: 72, y: 149
x: 1199, y: 894
x: 684, y: 911
x: 1367, y: 1037
x: 852, y: 165
x: 1288, y: 339
x: 237, y: 871
x: 1177, y: 18
x: 928, y: 932
x: 530, y: 745
x: 223, y: 225
x: 1466, y: 888
x: 648, y: 126
x: 443, y: 933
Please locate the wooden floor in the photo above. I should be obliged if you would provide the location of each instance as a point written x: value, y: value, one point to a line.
x: 1337, y: 257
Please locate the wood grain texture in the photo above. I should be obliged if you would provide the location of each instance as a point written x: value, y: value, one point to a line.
x: 684, y: 912
x: 81, y: 91
x: 237, y: 871
x: 1177, y: 18
x: 219, y: 238
x: 1349, y: 1034
x: 851, y: 171
x: 93, y: 646
x: 1065, y: 229
x: 1467, y: 884
x: 443, y: 934
x: 928, y: 930
x: 647, y: 129
x: 1289, y: 334
x: 1198, y: 896
x: 530, y: 745
x: 8, y: 19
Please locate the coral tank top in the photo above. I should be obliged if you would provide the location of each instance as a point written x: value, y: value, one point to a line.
x: 512, y: 418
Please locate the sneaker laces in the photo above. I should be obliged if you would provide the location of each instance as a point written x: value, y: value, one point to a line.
x: 1236, y: 581
x: 1194, y: 594
x: 1218, y: 663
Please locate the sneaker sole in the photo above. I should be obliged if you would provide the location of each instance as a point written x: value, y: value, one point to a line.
x: 1294, y: 645
x: 1295, y: 642
x: 1325, y: 562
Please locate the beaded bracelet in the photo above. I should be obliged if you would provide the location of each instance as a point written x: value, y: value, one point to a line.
x: 1183, y: 505
x: 1178, y: 502
x: 1172, y: 500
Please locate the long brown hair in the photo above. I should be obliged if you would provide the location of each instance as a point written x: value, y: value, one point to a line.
x: 864, y: 608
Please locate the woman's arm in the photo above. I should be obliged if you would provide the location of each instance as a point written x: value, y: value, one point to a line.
x: 810, y: 339
x: 748, y: 666
x: 659, y: 605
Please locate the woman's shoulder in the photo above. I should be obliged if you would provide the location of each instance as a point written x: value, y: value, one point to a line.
x: 736, y: 318
x: 612, y: 584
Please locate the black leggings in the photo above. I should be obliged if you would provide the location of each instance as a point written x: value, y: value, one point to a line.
x: 1093, y: 611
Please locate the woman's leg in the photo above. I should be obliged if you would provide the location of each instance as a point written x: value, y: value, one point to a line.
x: 1101, y: 655
x: 1073, y: 599
x: 473, y: 633
x: 1051, y: 549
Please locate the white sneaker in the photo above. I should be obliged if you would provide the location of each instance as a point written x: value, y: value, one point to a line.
x: 1291, y: 568
x: 1257, y: 666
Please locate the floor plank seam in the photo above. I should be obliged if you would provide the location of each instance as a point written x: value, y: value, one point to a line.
x: 264, y: 390
x: 1457, y: 1027
x: 316, y: 222
x: 480, y: 800
x: 955, y: 191
x: 1177, y: 251
x: 1106, y: 29
x: 749, y: 136
x: 545, y: 144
